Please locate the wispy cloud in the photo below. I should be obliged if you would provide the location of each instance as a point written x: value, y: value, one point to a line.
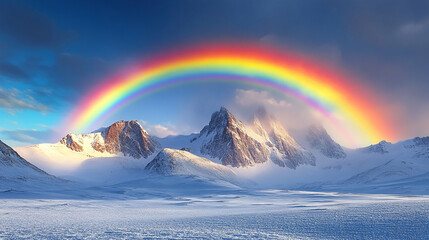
x: 14, y: 99
x: 252, y: 98
x: 292, y: 113
x: 159, y: 130
x: 414, y: 31
x: 27, y: 136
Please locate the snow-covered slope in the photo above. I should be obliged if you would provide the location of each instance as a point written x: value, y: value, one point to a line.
x: 16, y: 174
x: 398, y: 161
x: 398, y: 168
x: 12, y: 165
x: 57, y: 158
x: 179, y: 162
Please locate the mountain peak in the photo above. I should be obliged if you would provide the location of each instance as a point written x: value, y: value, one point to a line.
x: 223, y: 109
x: 421, y: 141
x: 319, y: 139
x: 219, y: 121
x: 380, y: 147
x: 227, y: 139
x: 130, y: 138
x: 239, y: 145
x: 127, y: 137
x: 223, y: 113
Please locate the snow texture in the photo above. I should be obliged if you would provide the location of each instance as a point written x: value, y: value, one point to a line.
x: 179, y: 162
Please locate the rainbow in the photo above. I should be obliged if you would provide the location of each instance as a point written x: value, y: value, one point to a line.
x: 350, y: 108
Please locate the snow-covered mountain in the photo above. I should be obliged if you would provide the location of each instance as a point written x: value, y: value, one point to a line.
x: 123, y: 139
x: 227, y: 139
x: 402, y: 160
x: 260, y: 151
x: 127, y: 137
x: 380, y: 147
x: 320, y: 140
x: 231, y: 142
x: 179, y: 162
x: 16, y: 172
x: 285, y: 151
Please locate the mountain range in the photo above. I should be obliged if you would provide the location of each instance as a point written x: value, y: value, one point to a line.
x: 260, y: 151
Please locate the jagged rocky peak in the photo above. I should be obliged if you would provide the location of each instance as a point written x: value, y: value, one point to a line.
x: 319, y: 139
x: 240, y: 145
x: 179, y: 162
x: 130, y: 138
x: 219, y: 121
x: 127, y: 137
x: 421, y: 141
x: 226, y: 138
x: 285, y: 150
x: 380, y: 147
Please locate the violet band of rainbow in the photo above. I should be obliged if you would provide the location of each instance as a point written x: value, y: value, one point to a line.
x: 326, y: 93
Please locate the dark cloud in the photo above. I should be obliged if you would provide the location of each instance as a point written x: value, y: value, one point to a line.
x: 29, y: 27
x: 77, y: 72
x: 385, y: 44
x: 10, y: 70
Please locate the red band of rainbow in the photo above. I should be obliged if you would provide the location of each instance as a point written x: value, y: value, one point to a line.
x: 349, y: 108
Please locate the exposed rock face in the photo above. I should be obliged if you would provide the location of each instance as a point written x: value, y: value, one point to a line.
x: 424, y: 141
x: 285, y: 150
x: 71, y: 143
x: 240, y: 145
x: 380, y: 147
x: 127, y: 137
x: 225, y: 138
x: 320, y: 140
x: 178, y: 162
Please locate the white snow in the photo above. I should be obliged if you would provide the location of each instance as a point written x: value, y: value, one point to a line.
x: 57, y: 158
x: 113, y: 197
x: 360, y: 171
x: 178, y: 162
x: 269, y: 214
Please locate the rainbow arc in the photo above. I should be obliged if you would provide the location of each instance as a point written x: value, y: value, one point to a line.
x: 350, y: 108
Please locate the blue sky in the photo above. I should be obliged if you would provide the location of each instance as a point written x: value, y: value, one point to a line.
x: 51, y: 52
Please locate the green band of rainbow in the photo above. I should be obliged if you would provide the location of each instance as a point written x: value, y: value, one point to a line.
x: 346, y: 105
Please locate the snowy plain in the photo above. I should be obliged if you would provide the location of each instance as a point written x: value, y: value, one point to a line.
x: 218, y: 213
x: 368, y: 195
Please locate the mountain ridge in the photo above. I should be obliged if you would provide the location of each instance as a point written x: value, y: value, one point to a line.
x: 327, y: 162
x: 127, y: 137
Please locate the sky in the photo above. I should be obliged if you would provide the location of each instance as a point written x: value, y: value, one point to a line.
x: 53, y: 52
